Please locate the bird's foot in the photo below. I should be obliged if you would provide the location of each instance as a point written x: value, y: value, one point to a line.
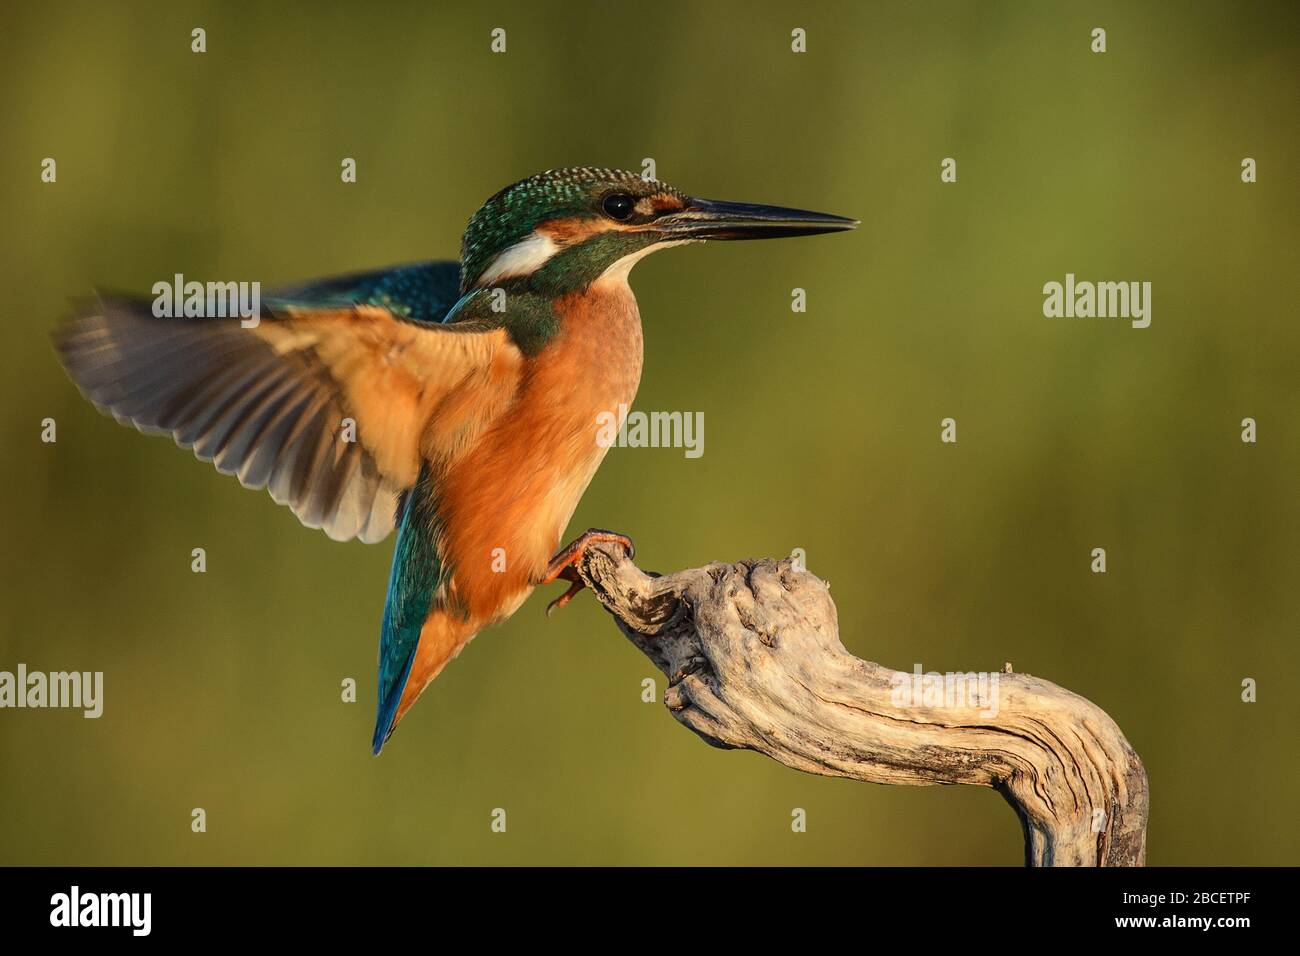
x: 564, y: 565
x: 576, y: 585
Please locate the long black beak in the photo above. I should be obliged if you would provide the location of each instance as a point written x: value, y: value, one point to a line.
x: 714, y: 219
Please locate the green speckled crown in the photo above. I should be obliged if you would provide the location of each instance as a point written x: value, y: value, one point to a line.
x: 514, y: 212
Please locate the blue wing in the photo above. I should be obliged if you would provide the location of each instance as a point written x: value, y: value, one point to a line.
x: 420, y: 291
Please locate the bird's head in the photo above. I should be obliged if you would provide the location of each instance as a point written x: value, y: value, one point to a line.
x: 562, y: 229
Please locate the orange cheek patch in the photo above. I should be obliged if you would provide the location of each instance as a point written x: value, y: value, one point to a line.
x: 572, y: 231
x: 569, y: 232
x: 658, y: 204
x: 666, y: 202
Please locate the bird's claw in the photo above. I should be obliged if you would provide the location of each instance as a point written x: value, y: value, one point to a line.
x: 564, y: 565
x: 576, y: 585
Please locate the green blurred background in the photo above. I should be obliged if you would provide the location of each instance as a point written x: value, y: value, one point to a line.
x: 822, y: 429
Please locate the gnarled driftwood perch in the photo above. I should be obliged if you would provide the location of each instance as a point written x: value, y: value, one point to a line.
x: 754, y: 660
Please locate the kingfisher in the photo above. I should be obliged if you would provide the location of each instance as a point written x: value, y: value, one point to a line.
x: 460, y: 403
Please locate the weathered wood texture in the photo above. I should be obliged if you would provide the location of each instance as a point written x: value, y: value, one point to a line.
x: 754, y: 660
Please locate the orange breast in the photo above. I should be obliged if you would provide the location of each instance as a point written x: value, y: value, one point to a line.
x: 505, y: 502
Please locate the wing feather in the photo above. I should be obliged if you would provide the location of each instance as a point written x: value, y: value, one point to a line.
x: 276, y: 404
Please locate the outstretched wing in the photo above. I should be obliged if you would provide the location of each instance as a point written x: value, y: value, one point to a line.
x: 420, y: 291
x: 331, y: 409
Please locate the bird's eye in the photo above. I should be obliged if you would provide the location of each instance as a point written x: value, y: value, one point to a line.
x: 618, y: 206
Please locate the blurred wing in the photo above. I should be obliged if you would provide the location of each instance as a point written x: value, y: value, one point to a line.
x: 421, y: 291
x: 331, y: 410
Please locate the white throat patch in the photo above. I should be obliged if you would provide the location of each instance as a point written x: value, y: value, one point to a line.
x: 528, y: 255
x: 617, y: 271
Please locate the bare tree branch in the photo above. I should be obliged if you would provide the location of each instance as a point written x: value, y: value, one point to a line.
x: 754, y: 660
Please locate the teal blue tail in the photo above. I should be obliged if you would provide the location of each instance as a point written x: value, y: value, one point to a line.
x: 411, y: 585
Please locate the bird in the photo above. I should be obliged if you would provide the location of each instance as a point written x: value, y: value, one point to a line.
x: 456, y: 402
